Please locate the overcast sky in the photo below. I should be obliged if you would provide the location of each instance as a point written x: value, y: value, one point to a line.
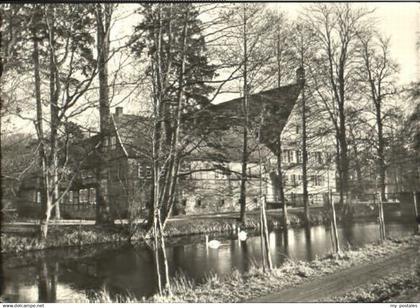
x: 400, y: 21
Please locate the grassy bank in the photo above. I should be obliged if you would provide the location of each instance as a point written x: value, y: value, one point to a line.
x: 64, y: 236
x: 388, y: 289
x: 60, y: 237
x: 255, y: 283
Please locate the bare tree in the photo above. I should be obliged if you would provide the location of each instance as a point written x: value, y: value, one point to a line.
x: 336, y: 27
x: 378, y: 71
x: 247, y: 37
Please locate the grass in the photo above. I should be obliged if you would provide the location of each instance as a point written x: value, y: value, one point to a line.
x: 237, y: 287
x: 384, y: 290
x: 67, y: 236
x: 59, y: 237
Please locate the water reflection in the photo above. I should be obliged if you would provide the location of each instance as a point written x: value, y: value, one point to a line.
x: 71, y: 275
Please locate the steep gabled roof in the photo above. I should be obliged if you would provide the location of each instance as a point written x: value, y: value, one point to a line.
x: 135, y: 134
x: 219, y: 134
x: 282, y: 99
x: 275, y: 105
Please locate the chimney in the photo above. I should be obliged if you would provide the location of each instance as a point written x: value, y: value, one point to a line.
x: 118, y: 111
x: 300, y: 75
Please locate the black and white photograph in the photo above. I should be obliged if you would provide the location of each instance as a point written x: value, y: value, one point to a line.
x: 210, y: 152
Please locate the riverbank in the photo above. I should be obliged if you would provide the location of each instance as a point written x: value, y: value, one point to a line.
x: 257, y: 285
x: 88, y: 234
x: 403, y: 287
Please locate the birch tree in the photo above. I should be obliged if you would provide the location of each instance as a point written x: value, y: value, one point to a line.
x: 58, y: 40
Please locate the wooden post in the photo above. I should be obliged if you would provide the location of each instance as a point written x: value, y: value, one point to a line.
x: 331, y: 223
x: 376, y: 201
x: 337, y: 244
x: 266, y: 240
x: 381, y: 217
x: 262, y: 238
x: 416, y: 212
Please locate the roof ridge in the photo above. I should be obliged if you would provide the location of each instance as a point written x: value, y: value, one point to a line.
x: 258, y: 93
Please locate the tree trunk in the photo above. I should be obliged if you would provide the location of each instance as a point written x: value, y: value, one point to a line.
x: 242, y: 199
x: 40, y: 133
x: 381, y: 155
x: 178, y: 117
x: 334, y: 224
x: 46, y: 218
x: 344, y: 163
x: 265, y: 232
x: 103, y: 23
x: 54, y: 95
x: 279, y: 149
x: 382, y: 231
x: 165, y: 258
x: 357, y: 167
x: 304, y: 160
x: 280, y: 183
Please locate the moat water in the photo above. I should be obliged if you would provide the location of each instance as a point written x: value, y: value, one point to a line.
x: 75, y: 274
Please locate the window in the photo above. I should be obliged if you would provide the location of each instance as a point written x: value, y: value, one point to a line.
x: 113, y: 142
x: 298, y: 156
x: 185, y: 167
x: 139, y: 171
x: 76, y: 197
x: 284, y: 157
x: 121, y: 173
x: 297, y: 129
x: 293, y: 179
x: 92, y: 196
x: 319, y: 157
x: 71, y: 197
x: 38, y: 197
x: 318, y: 180
x: 290, y: 156
x: 148, y: 172
x: 83, y: 195
x: 105, y: 142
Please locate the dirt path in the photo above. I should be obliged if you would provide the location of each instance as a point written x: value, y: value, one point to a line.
x: 339, y: 283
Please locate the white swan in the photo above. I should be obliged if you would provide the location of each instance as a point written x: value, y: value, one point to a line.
x: 214, y: 244
x: 242, y: 236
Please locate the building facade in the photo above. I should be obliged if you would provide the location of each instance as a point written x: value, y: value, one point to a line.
x: 211, y: 174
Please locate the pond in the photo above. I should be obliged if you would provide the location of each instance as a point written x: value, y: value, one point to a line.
x: 74, y: 274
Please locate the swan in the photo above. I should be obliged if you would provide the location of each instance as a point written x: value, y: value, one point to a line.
x: 214, y: 244
x: 242, y: 236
